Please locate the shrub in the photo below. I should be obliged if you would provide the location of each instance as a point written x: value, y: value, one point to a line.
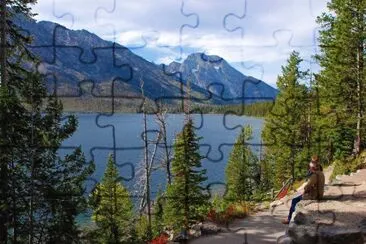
x: 142, y: 228
x: 223, y: 212
x: 162, y: 239
x: 349, y: 165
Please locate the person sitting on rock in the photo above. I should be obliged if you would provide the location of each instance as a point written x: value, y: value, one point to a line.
x: 313, y: 190
x: 314, y: 160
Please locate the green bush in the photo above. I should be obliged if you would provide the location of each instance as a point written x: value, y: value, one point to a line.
x: 142, y: 229
x: 349, y: 165
x: 224, y: 212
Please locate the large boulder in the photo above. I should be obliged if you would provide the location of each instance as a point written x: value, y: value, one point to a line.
x: 362, y: 226
x: 316, y: 222
x: 340, y: 235
x: 285, y: 240
x: 303, y: 234
x: 209, y: 229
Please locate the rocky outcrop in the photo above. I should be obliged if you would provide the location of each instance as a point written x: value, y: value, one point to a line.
x: 197, y: 230
x: 285, y: 240
x: 362, y: 227
x: 311, y: 231
x: 339, y: 218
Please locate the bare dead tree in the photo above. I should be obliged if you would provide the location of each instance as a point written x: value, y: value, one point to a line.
x: 146, y: 160
x: 141, y: 172
x: 160, y: 120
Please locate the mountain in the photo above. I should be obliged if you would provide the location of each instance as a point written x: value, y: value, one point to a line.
x: 215, y: 74
x: 71, y: 58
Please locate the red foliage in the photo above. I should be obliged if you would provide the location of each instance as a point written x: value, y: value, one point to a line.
x: 212, y: 215
x: 162, y: 239
x: 230, y: 210
x: 221, y: 217
x: 230, y: 213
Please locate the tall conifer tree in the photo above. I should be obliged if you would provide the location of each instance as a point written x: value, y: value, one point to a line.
x: 341, y: 82
x: 185, y: 194
x: 112, y: 208
x: 283, y: 132
x: 242, y: 170
x: 41, y: 194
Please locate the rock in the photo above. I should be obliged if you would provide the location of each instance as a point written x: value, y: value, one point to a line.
x: 340, y: 236
x: 176, y: 237
x: 170, y: 234
x: 209, y: 229
x: 197, y: 226
x: 179, y: 237
x: 304, y: 229
x: 300, y: 219
x: 194, y: 233
x: 362, y: 226
x: 284, y: 240
x: 302, y: 234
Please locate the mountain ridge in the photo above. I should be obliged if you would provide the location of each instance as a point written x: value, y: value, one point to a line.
x: 71, y: 57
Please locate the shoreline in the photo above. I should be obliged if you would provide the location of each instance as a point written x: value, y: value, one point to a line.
x: 150, y: 113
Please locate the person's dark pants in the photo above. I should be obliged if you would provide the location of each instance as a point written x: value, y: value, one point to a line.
x: 293, y: 206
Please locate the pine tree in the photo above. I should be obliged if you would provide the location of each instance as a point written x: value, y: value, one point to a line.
x: 12, y: 120
x: 41, y: 194
x: 47, y: 191
x: 285, y: 132
x: 112, y: 208
x: 184, y: 196
x: 242, y: 169
x: 341, y: 81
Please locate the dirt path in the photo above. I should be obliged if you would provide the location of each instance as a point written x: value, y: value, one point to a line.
x: 260, y: 228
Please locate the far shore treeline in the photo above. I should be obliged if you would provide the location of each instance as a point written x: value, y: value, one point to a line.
x: 43, y: 193
x: 80, y: 105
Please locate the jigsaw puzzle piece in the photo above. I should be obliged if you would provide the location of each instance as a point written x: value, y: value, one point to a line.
x: 87, y: 125
x: 125, y: 126
x: 59, y: 11
x: 273, y: 15
x: 275, y: 41
x: 123, y: 159
x: 157, y: 35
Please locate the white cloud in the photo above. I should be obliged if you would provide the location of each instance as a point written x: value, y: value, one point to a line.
x: 271, y: 29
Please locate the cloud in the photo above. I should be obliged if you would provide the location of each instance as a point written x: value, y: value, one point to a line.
x: 160, y: 30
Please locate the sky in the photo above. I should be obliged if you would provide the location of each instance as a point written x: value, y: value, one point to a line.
x: 254, y: 36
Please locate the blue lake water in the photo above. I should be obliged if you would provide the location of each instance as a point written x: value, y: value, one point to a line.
x: 121, y: 134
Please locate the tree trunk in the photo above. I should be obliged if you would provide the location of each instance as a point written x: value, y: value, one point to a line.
x: 360, y: 71
x: 147, y: 169
x: 161, y: 118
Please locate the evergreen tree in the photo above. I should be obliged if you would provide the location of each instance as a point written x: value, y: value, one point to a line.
x: 266, y: 176
x: 341, y: 81
x: 47, y: 191
x: 184, y: 196
x: 285, y: 132
x: 12, y: 113
x: 242, y: 170
x: 112, y: 208
x: 41, y: 193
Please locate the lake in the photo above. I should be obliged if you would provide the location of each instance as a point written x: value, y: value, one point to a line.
x: 122, y: 134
